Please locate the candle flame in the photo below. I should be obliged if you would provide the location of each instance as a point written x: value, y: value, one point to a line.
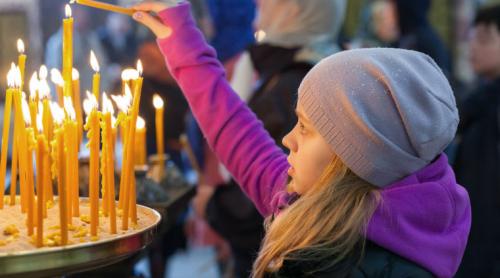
x: 75, y: 74
x: 67, y: 10
x: 43, y: 72
x: 129, y: 74
x: 20, y: 46
x: 57, y: 112
x: 68, y: 107
x: 90, y: 103
x: 121, y: 102
x: 39, y: 119
x: 56, y: 77
x: 107, y: 105
x: 93, y: 61
x: 10, y: 78
x: 26, y: 111
x: 17, y: 77
x: 34, y: 86
x: 157, y: 101
x: 43, y: 89
x: 139, y: 67
x: 140, y: 123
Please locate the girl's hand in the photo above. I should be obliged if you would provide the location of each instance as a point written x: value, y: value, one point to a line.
x: 152, y: 22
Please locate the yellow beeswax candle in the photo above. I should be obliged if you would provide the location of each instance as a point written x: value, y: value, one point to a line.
x: 21, y: 62
x: 159, y: 111
x: 42, y: 148
x: 140, y: 144
x: 104, y: 6
x: 67, y: 51
x: 5, y: 134
x: 93, y: 134
x: 96, y: 77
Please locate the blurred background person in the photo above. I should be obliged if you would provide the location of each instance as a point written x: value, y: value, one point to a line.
x: 477, y: 163
x: 85, y: 39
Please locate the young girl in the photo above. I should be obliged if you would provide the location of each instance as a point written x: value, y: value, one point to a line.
x: 365, y: 190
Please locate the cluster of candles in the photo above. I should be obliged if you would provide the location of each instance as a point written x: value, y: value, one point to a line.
x: 52, y: 132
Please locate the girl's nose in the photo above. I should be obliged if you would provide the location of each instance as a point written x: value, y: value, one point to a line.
x: 289, y: 142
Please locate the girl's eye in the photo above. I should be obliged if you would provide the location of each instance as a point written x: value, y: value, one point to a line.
x: 302, y: 128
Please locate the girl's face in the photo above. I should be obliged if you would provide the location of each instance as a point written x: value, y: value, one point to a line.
x: 309, y: 153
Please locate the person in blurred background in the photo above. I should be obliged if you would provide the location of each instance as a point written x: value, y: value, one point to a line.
x: 119, y: 43
x: 478, y: 159
x: 418, y: 34
x: 84, y: 40
x: 157, y: 80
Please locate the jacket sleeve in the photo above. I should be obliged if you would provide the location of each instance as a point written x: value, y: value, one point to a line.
x: 233, y: 132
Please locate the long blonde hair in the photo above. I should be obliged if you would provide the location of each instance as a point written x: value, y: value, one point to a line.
x: 328, y: 221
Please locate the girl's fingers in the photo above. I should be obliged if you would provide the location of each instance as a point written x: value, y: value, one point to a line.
x: 161, y: 31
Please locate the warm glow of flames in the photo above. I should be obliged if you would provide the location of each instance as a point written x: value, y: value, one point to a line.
x: 121, y: 103
x: 16, y: 76
x: 26, y: 111
x: 140, y: 124
x: 90, y: 103
x: 39, y: 119
x: 68, y: 107
x: 75, y: 74
x: 107, y: 105
x: 43, y: 72
x: 56, y: 77
x: 157, y: 101
x: 43, y: 89
x: 10, y: 78
x: 20, y: 46
x: 93, y: 61
x: 259, y: 35
x: 57, y: 112
x: 34, y: 85
x: 129, y: 74
x: 67, y: 10
x: 139, y: 67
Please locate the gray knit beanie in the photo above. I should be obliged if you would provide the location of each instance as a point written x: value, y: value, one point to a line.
x: 385, y: 112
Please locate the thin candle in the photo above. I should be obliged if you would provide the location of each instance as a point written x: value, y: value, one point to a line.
x: 44, y: 96
x: 108, y: 153
x: 159, y: 112
x: 26, y: 151
x: 93, y: 134
x: 140, y: 144
x: 5, y: 134
x: 21, y: 61
x: 42, y: 149
x: 67, y: 52
x: 58, y: 115
x: 104, y: 6
x: 96, y: 77
x: 77, y: 104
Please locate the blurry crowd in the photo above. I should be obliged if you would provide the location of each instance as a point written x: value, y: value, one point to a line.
x: 267, y: 47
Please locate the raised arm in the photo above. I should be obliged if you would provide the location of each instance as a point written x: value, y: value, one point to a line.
x: 231, y: 129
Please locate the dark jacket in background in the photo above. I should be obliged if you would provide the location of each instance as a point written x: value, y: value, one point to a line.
x: 477, y: 167
x: 417, y: 33
x: 376, y: 262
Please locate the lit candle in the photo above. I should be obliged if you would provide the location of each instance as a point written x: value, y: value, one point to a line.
x: 123, y: 102
x: 104, y: 6
x: 58, y: 115
x: 71, y: 142
x: 29, y: 145
x: 77, y: 104
x: 19, y: 136
x: 44, y: 96
x: 140, y: 144
x: 129, y: 201
x: 41, y: 159
x: 159, y: 108
x: 57, y: 79
x: 93, y: 134
x: 21, y: 61
x: 5, y: 134
x: 67, y: 52
x: 97, y: 77
x: 108, y: 153
x: 33, y: 85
